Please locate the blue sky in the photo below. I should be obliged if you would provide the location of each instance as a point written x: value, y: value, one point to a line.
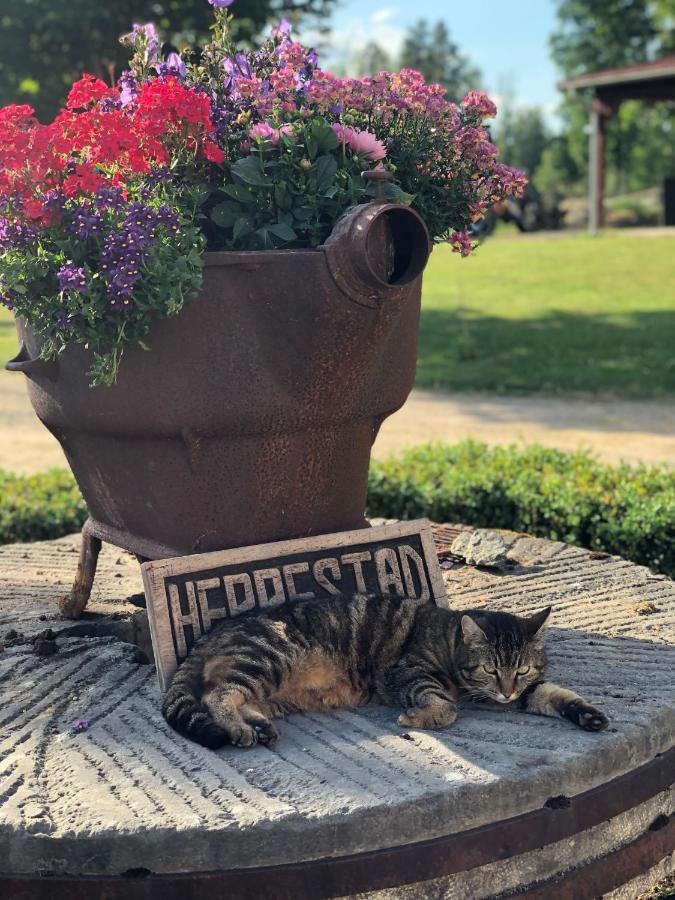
x: 508, y: 41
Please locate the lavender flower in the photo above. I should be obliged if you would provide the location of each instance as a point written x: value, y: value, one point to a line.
x: 72, y: 278
x: 173, y: 65
x: 143, y: 39
x: 235, y: 69
x: 8, y: 298
x: 221, y: 4
x: 16, y: 236
x: 125, y: 250
x: 128, y: 88
x: 283, y: 29
x: 86, y: 222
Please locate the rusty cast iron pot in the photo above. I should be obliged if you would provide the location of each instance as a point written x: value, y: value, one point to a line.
x: 252, y: 417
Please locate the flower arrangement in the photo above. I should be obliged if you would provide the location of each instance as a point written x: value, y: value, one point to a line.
x: 106, y: 212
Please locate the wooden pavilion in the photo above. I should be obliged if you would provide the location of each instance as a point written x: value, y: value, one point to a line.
x: 651, y: 82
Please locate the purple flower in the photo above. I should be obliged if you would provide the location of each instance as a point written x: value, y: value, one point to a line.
x: 8, y: 298
x: 174, y: 61
x: 145, y: 42
x: 15, y: 236
x: 86, y: 222
x: 235, y: 69
x: 72, y: 278
x: 81, y: 725
x: 221, y: 4
x: 283, y: 29
x: 128, y: 88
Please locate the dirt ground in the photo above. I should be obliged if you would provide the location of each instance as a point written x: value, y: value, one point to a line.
x: 637, y: 431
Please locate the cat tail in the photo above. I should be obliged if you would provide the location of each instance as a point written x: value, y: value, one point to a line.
x: 183, y: 710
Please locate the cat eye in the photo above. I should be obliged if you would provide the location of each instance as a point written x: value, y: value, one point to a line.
x: 489, y: 671
x: 523, y: 670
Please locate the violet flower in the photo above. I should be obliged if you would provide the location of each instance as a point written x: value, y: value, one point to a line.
x: 221, y: 4
x: 72, y: 278
x: 174, y: 61
x: 283, y: 29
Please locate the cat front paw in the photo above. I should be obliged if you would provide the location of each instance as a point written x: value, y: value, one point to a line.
x: 428, y: 717
x: 588, y: 717
x: 242, y: 736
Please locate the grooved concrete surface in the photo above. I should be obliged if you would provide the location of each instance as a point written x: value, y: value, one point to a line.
x: 129, y: 793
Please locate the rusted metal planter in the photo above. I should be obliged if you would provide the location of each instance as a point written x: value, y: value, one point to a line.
x: 252, y: 417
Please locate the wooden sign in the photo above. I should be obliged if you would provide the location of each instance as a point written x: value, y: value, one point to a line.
x: 188, y: 594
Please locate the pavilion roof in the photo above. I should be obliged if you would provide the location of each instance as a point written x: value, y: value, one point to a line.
x: 655, y: 71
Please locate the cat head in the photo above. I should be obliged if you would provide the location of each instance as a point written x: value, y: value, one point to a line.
x: 499, y: 654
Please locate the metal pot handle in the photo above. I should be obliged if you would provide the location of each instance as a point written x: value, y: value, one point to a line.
x: 23, y: 362
x: 352, y: 257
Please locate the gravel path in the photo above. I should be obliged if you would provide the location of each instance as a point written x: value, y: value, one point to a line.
x: 637, y: 431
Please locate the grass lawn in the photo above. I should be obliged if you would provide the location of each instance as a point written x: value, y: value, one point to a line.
x: 569, y: 314
x: 560, y: 314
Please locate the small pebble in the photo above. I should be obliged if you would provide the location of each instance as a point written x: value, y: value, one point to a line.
x: 645, y: 608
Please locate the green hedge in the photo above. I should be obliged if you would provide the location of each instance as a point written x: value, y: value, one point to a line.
x: 39, y: 507
x: 571, y: 497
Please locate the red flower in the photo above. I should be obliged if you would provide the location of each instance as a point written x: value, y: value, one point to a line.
x: 86, y: 91
x: 33, y: 209
x: 212, y: 152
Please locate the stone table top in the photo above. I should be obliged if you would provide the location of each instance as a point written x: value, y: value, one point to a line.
x: 130, y: 793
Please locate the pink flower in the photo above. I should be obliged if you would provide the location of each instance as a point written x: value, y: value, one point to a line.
x: 263, y: 131
x: 365, y: 143
x: 479, y: 104
x: 266, y: 133
x: 461, y: 243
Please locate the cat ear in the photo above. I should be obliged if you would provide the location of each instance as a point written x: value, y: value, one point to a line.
x: 535, y: 623
x: 472, y: 632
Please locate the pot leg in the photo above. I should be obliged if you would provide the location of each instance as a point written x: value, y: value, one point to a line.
x: 73, y: 604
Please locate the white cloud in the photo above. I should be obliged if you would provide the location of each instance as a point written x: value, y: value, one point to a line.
x: 339, y: 46
x: 381, y: 15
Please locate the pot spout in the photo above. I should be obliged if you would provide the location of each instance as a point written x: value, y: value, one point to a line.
x: 376, y: 250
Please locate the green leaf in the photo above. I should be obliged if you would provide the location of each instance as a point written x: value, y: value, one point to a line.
x: 312, y: 147
x: 325, y: 170
x: 282, y: 197
x: 224, y: 215
x: 238, y: 192
x: 324, y: 136
x: 242, y: 227
x: 249, y: 170
x: 303, y: 213
x: 283, y: 231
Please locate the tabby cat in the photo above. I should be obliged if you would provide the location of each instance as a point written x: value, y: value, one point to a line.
x: 346, y: 652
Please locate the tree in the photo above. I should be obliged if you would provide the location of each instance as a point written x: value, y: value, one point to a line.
x: 437, y: 57
x: 371, y: 59
x: 46, y: 44
x: 601, y: 34
x: 523, y: 137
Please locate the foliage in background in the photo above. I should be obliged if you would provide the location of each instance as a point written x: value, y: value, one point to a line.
x: 428, y: 49
x: 45, y: 45
x: 106, y: 210
x: 592, y: 35
x: 431, y: 51
x: 39, y: 507
x: 629, y: 511
x: 624, y: 510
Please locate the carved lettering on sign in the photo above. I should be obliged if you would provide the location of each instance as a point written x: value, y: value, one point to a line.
x: 188, y: 595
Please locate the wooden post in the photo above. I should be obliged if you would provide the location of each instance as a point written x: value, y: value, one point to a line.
x: 600, y: 112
